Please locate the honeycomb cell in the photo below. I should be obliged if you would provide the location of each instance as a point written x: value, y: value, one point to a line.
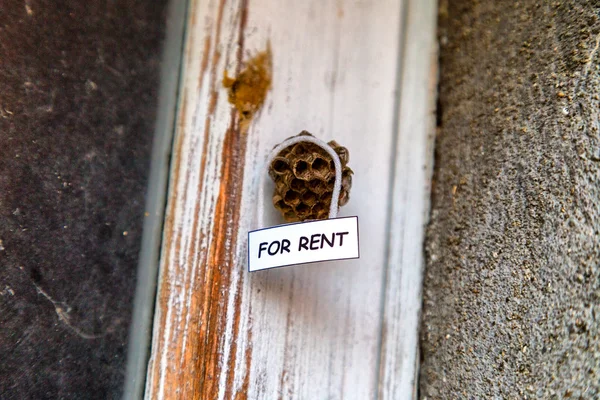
x: 299, y: 149
x: 298, y: 185
x: 321, y: 166
x: 301, y: 169
x: 344, y: 197
x: 291, y: 216
x: 319, y: 208
x: 292, y: 198
x: 343, y: 154
x: 302, y: 209
x: 280, y: 165
x: 314, y: 185
x: 309, y: 198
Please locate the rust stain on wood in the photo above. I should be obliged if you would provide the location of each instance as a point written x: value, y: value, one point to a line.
x: 220, y: 256
x: 188, y: 361
x: 205, y: 57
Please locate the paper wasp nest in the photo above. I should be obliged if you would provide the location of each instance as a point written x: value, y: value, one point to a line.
x: 304, y: 176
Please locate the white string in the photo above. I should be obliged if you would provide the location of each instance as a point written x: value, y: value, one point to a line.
x: 337, y: 187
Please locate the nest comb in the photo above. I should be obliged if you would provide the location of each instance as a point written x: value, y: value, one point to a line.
x: 304, y: 176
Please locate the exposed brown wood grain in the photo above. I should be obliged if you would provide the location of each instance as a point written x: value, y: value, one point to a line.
x: 197, y: 375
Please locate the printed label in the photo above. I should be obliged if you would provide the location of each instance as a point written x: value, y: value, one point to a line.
x: 303, y: 242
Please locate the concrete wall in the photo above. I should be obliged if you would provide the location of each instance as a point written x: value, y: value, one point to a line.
x: 512, y: 287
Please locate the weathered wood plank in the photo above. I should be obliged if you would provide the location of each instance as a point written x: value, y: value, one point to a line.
x: 301, y: 332
x: 410, y: 202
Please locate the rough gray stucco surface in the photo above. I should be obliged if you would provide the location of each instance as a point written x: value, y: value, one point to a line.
x: 512, y: 286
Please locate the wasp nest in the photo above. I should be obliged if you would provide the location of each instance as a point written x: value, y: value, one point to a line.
x: 304, y: 176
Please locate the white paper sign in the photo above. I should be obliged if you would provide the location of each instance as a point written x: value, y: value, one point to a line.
x: 303, y: 242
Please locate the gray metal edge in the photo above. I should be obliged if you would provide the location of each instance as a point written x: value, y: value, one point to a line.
x: 140, y: 331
